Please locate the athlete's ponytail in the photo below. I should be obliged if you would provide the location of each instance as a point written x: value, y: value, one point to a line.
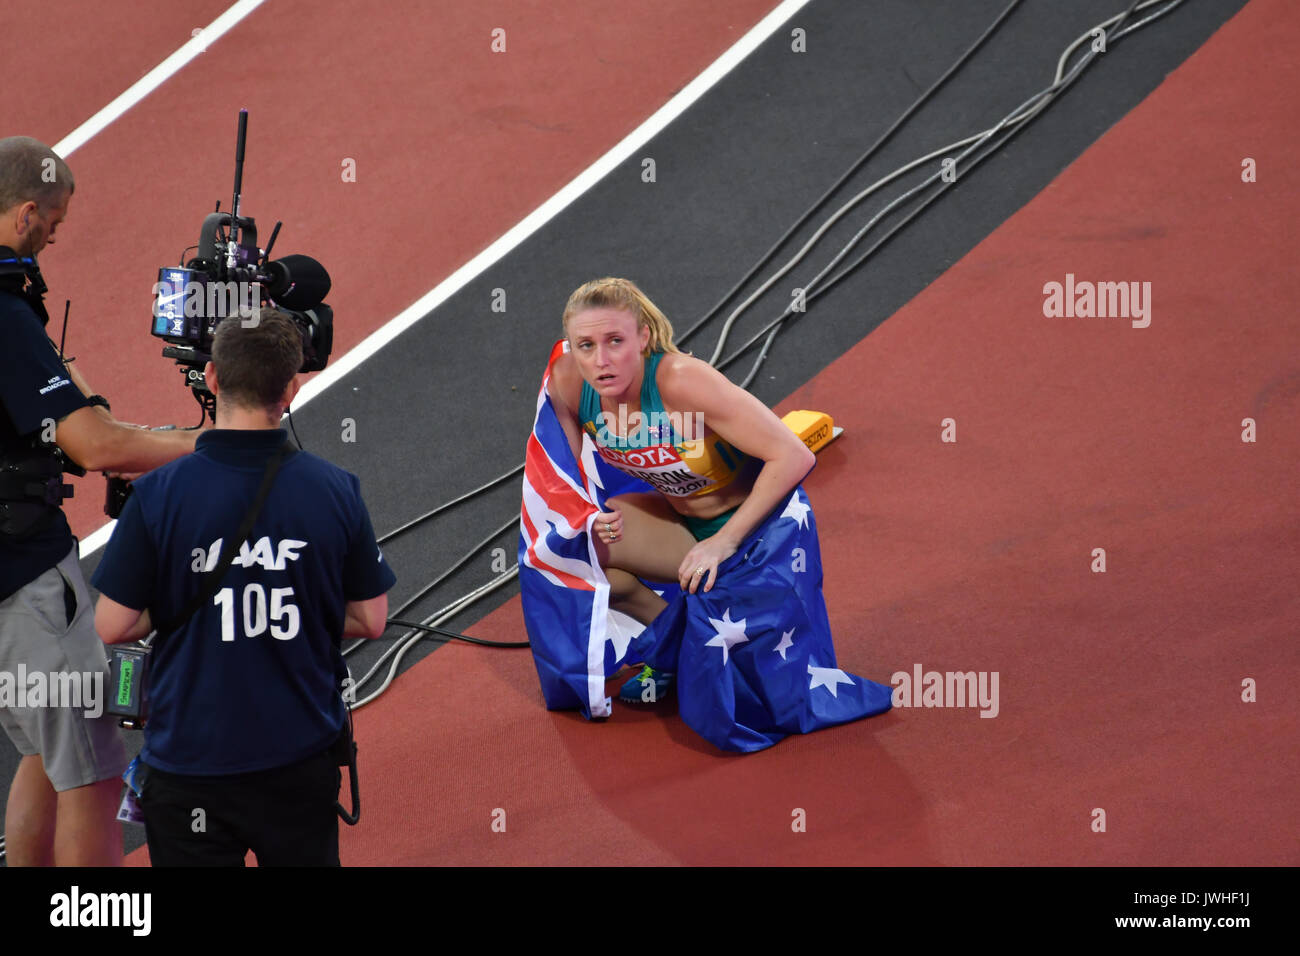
x: 610, y: 293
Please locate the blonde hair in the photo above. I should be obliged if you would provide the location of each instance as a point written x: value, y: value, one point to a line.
x: 611, y: 293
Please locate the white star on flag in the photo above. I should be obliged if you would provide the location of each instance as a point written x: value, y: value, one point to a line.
x: 828, y: 677
x: 785, y: 644
x: 621, y: 630
x: 729, y: 633
x: 797, y: 510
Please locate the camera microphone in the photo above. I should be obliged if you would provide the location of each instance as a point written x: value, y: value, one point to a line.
x: 297, y: 282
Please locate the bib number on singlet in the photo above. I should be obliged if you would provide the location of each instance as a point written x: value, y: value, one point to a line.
x: 659, y: 466
x: 282, y: 617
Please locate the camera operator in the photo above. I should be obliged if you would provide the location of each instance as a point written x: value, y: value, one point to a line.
x: 63, y: 800
x: 245, y: 709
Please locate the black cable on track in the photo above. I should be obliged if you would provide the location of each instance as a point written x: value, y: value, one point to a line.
x: 857, y: 165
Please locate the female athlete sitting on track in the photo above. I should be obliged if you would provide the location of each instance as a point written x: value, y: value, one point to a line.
x: 720, y: 459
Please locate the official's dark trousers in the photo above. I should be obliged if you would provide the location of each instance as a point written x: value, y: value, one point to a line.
x: 286, y: 816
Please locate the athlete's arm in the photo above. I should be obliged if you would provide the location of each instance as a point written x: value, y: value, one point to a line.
x: 565, y: 389
x: 691, y: 385
x: 118, y: 624
x: 366, y: 619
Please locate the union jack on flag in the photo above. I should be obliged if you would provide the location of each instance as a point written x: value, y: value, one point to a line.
x: 576, y: 638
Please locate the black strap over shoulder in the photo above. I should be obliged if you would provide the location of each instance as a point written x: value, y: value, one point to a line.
x: 212, y: 580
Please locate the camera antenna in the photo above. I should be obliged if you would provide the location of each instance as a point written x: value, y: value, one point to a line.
x: 233, y: 246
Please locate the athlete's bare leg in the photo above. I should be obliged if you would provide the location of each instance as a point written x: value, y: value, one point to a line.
x: 633, y: 598
x: 653, y: 543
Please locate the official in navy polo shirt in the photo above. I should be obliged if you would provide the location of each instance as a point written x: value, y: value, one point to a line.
x: 245, y: 700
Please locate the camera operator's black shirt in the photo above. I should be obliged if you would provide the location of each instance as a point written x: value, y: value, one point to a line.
x: 34, y: 387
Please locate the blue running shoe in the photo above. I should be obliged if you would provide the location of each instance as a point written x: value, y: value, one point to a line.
x: 648, y: 687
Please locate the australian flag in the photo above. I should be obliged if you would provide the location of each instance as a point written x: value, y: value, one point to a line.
x: 753, y: 657
x: 576, y: 639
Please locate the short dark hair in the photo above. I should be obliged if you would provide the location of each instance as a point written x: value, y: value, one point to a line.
x: 256, y: 362
x: 30, y: 170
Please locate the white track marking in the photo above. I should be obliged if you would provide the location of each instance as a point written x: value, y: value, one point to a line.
x: 553, y: 206
x: 155, y: 77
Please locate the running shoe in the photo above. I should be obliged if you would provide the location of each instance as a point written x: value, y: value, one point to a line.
x: 648, y: 687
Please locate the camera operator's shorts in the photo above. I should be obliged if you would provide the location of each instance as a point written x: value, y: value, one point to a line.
x: 54, y: 679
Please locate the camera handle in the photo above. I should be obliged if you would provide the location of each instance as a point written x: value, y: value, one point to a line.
x: 119, y: 489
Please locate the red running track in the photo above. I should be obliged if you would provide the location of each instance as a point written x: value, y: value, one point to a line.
x: 1118, y: 691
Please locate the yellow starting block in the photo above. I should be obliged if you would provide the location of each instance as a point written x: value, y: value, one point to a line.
x: 816, y: 429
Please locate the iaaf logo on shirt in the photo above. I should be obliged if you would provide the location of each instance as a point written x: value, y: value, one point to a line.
x: 262, y: 554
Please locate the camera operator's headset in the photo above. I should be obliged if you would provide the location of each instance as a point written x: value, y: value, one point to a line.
x: 345, y: 748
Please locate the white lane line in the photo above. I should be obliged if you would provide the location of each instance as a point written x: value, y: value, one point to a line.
x: 553, y: 206
x: 531, y: 223
x: 155, y: 77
